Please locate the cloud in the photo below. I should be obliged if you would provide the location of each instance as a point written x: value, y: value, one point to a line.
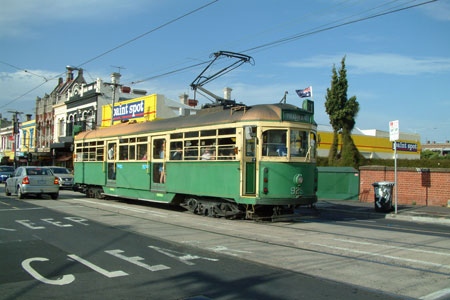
x: 18, y: 18
x: 16, y: 85
x: 439, y: 10
x: 386, y: 63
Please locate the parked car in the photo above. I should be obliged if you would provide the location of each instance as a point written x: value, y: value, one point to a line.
x: 64, y: 175
x: 5, y: 172
x: 32, y: 180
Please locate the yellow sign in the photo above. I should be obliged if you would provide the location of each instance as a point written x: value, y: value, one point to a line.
x: 140, y: 109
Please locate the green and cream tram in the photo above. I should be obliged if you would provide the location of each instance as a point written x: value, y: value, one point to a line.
x: 241, y: 161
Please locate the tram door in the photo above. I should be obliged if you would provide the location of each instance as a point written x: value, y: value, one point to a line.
x: 158, y: 163
x: 249, y: 160
x: 111, y: 162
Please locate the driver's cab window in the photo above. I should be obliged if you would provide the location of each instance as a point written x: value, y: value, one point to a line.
x: 274, y: 142
x: 298, y: 143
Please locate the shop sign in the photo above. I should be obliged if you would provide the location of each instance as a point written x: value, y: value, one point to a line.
x: 409, y: 147
x: 129, y: 110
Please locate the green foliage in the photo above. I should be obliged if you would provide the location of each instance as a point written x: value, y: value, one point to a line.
x: 401, y: 163
x: 342, y: 112
x: 428, y: 154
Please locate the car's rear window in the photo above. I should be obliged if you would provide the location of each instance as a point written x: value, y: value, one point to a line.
x: 60, y: 170
x: 6, y: 169
x: 38, y: 171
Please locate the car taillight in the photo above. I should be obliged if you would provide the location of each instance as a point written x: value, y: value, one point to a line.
x: 56, y: 180
x: 26, y: 180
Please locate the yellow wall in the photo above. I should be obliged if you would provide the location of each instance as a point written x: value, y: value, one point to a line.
x: 367, y: 144
x: 28, y: 136
x: 126, y: 108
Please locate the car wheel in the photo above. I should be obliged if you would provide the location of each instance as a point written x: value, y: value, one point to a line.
x: 54, y: 196
x: 7, y: 193
x: 20, y: 194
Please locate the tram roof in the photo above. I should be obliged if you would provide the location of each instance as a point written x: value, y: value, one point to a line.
x: 262, y: 112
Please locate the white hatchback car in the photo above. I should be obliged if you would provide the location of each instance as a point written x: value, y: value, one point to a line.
x: 32, y: 180
x: 64, y: 176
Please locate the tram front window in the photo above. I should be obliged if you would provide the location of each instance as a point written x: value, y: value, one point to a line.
x: 299, y: 143
x: 274, y: 142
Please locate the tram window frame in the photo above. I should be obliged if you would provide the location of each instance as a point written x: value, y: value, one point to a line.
x: 220, y: 143
x: 303, y: 140
x: 191, y: 149
x: 176, y: 150
x: 274, y: 148
x: 304, y: 154
x: 89, y: 151
x: 78, y: 152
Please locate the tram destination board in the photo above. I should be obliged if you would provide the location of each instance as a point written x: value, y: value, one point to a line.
x: 296, y: 116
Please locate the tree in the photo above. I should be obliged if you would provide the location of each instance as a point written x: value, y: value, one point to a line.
x: 342, y: 112
x: 332, y: 108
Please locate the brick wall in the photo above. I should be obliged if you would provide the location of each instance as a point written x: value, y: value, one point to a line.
x: 430, y: 187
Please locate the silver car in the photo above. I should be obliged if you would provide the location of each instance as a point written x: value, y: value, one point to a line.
x: 32, y: 180
x: 64, y: 176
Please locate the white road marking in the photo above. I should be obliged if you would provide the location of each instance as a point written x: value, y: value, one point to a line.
x: 56, y: 223
x: 97, y: 268
x: 184, y: 258
x: 29, y: 224
x: 137, y: 261
x: 437, y: 295
x: 421, y: 262
x: 7, y: 229
x: 392, y: 247
x: 66, y: 279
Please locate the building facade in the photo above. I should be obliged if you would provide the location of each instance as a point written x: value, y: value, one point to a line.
x: 372, y: 143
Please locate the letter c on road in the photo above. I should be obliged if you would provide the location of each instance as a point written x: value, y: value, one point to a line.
x: 66, y: 279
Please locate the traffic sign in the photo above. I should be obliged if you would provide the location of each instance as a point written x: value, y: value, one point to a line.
x: 394, y: 131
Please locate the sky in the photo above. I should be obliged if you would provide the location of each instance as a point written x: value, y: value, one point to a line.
x: 398, y: 64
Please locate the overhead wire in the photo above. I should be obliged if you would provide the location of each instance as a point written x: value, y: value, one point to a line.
x: 303, y: 34
x: 309, y: 32
x: 23, y: 70
x: 117, y: 47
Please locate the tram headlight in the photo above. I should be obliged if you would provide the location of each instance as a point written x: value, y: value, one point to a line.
x: 298, y: 179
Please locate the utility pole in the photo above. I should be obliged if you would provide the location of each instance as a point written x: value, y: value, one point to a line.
x: 15, y: 133
x: 115, y: 79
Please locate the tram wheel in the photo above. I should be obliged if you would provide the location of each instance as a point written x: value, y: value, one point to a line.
x: 192, y: 205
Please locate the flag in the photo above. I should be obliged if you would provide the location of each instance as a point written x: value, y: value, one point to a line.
x: 305, y: 92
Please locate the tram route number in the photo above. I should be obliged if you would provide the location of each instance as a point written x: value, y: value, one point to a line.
x: 296, y: 190
x: 118, y: 253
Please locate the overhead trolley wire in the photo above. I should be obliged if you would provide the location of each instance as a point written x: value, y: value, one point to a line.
x: 303, y: 34
x: 148, y: 32
x: 113, y: 49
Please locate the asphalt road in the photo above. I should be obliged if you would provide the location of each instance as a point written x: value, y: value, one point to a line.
x: 47, y: 254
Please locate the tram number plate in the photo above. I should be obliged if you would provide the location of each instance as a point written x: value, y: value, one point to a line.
x: 296, y: 190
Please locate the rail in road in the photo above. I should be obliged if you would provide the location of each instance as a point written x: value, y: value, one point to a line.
x: 402, y: 260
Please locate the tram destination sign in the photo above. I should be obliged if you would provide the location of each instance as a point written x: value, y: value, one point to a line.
x: 296, y: 116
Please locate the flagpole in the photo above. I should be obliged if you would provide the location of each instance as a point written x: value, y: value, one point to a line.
x: 312, y: 97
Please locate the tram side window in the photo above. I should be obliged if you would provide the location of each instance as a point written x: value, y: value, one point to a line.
x: 123, y: 152
x: 274, y: 142
x: 299, y: 143
x: 79, y: 152
x: 191, y: 150
x: 176, y: 150
x: 226, y: 148
x: 142, y: 151
x: 208, y: 147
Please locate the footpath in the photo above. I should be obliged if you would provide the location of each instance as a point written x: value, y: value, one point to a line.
x: 366, y: 210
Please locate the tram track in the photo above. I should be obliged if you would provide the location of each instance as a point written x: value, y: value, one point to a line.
x: 277, y: 235
x: 338, y: 250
